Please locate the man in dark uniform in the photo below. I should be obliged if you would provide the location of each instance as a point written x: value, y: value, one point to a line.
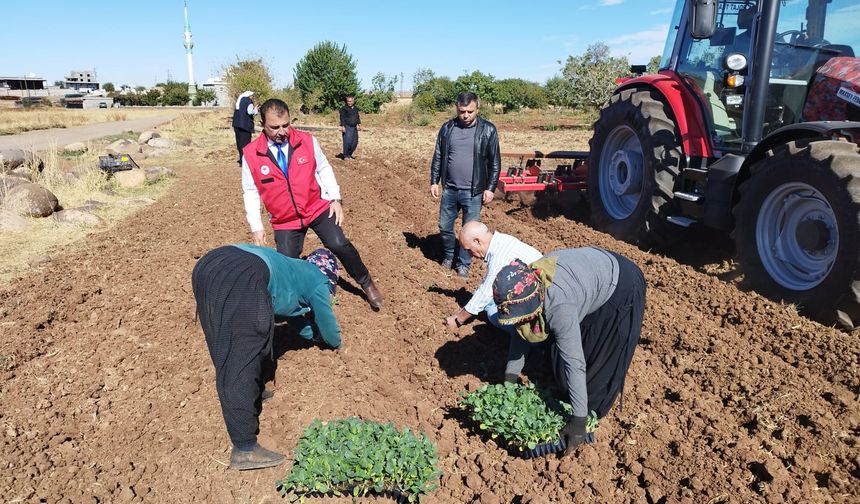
x: 586, y: 305
x: 239, y: 290
x: 350, y: 125
x: 243, y: 120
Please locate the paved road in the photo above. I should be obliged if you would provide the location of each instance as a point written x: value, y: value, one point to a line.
x: 42, y: 139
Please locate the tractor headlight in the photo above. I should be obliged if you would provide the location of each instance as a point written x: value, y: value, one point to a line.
x: 735, y: 62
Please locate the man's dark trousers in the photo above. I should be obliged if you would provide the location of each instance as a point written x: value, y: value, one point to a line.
x: 243, y: 138
x: 290, y: 243
x: 350, y: 140
x: 235, y: 311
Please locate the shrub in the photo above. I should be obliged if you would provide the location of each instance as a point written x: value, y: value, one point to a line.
x: 521, y: 415
x: 425, y: 102
x: 356, y: 457
x: 479, y: 83
x: 514, y: 94
x: 175, y: 93
x: 382, y: 92
x: 326, y: 73
x: 592, y: 75
x: 248, y: 75
x: 203, y: 96
x: 441, y: 89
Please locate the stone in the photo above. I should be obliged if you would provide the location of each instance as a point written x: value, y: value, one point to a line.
x: 123, y: 146
x: 10, y: 221
x: 134, y: 201
x: 76, y: 147
x: 158, y: 172
x: 160, y: 143
x: 130, y: 178
x: 7, y: 182
x: 90, y: 205
x: 31, y: 200
x: 78, y: 216
x: 147, y: 136
x: 11, y: 158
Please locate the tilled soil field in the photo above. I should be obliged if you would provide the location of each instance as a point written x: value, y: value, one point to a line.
x: 107, y: 391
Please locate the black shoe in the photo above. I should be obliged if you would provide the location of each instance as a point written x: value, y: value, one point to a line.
x: 258, y: 458
x: 340, y: 156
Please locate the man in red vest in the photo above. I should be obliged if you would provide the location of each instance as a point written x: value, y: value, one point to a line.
x: 287, y: 170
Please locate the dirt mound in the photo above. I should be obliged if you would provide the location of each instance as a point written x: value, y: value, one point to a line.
x: 108, y: 391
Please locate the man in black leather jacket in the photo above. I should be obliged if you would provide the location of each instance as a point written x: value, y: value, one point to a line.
x: 464, y: 172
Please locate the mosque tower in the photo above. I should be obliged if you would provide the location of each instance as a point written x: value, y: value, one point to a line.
x: 189, y: 44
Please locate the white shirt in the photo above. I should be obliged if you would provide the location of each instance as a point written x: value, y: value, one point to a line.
x: 329, y: 190
x: 502, y: 250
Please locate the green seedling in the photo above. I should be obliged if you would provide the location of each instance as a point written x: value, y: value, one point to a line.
x: 353, y: 457
x: 521, y: 415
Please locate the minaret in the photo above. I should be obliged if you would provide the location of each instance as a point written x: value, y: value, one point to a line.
x: 189, y: 44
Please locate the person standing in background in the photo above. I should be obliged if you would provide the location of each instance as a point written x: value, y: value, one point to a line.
x: 350, y: 125
x: 243, y: 121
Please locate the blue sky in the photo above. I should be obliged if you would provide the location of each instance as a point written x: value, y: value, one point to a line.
x: 140, y: 43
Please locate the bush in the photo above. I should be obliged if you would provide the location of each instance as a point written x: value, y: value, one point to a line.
x: 559, y: 92
x: 325, y: 76
x: 248, y: 75
x: 514, y: 94
x: 382, y: 92
x: 425, y: 102
x: 175, y: 93
x: 356, y: 457
x: 441, y: 89
x: 592, y: 75
x: 479, y: 83
x: 203, y: 96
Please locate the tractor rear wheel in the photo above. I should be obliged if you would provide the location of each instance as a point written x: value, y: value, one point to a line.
x: 797, y: 230
x: 635, y: 160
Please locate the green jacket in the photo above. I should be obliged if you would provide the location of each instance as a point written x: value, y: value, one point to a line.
x: 297, y: 287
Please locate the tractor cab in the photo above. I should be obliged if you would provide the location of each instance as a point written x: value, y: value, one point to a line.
x: 751, y: 64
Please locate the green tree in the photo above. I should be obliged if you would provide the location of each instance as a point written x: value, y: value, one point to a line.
x: 109, y: 87
x: 248, y: 75
x: 653, y: 64
x: 513, y: 94
x: 420, y: 78
x: 592, y: 75
x: 150, y: 98
x: 203, y: 96
x: 325, y: 76
x: 479, y: 83
x: 381, y: 92
x: 440, y: 91
x: 559, y: 91
x: 175, y: 93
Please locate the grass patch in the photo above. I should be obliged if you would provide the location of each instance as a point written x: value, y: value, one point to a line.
x: 14, y: 121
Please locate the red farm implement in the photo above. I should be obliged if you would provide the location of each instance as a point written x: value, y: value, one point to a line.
x: 529, y: 174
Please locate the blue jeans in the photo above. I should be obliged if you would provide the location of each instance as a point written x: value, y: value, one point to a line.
x: 454, y: 200
x: 493, y: 316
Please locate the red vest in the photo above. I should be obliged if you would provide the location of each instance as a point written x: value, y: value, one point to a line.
x: 293, y: 203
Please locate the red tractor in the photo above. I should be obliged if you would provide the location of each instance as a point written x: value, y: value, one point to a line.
x: 752, y: 126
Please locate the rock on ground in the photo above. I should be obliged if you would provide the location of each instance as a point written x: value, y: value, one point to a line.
x: 147, y: 136
x: 123, y: 146
x: 7, y: 182
x: 11, y: 159
x: 156, y: 172
x: 10, y: 221
x: 78, y: 216
x: 160, y: 143
x: 130, y: 178
x: 31, y: 200
x: 76, y: 147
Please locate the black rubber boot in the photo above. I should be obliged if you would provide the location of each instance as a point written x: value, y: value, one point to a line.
x: 258, y: 458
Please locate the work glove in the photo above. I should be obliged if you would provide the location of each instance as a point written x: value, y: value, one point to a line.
x: 512, y: 378
x: 573, y: 434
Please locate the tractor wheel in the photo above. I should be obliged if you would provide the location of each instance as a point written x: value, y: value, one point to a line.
x: 635, y: 159
x: 797, y: 231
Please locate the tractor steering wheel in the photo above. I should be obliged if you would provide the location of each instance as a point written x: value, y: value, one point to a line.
x: 794, y: 35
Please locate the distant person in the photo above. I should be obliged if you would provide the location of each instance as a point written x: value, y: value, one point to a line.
x: 497, y: 250
x: 287, y: 170
x: 350, y: 125
x: 243, y: 120
x: 586, y: 305
x: 464, y: 172
x: 239, y: 290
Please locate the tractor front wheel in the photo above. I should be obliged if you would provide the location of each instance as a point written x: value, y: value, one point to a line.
x: 635, y: 159
x: 797, y: 230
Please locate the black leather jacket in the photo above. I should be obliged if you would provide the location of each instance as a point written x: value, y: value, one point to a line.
x: 487, y: 160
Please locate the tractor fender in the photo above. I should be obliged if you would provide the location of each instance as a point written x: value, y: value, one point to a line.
x: 685, y: 106
x: 728, y: 173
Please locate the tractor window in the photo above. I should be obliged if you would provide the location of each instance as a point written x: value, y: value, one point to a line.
x: 700, y: 63
x: 809, y: 32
